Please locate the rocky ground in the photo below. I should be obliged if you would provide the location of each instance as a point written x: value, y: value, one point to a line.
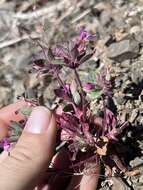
x: 119, y: 29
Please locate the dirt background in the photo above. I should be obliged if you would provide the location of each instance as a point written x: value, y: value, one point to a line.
x: 119, y: 29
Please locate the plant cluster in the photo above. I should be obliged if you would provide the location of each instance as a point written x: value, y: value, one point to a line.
x: 88, y: 136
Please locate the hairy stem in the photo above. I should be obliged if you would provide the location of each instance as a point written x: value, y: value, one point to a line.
x: 81, y: 91
x: 61, y: 83
x: 104, y: 119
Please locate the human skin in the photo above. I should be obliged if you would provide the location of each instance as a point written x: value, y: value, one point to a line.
x: 26, y: 166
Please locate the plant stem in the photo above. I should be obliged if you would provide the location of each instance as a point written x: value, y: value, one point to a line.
x: 118, y: 162
x: 82, y: 92
x: 61, y: 83
x: 104, y: 119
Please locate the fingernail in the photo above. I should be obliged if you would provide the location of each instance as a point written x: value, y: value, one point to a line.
x: 39, y: 120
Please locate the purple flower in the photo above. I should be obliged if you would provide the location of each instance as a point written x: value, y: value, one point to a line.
x: 69, y: 123
x: 69, y: 54
x: 84, y: 35
x: 111, y: 127
x: 5, y: 144
x: 64, y: 92
x: 43, y: 62
x: 88, y: 86
x: 72, y: 55
x: 75, y: 52
x: 110, y: 120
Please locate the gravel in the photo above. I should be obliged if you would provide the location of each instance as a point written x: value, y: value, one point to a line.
x: 123, y: 50
x: 119, y: 28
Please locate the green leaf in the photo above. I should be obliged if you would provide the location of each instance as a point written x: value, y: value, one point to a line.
x: 86, y: 58
x: 26, y: 111
x: 15, y: 128
x: 75, y: 93
x: 68, y: 108
x: 77, y: 98
x: 94, y: 94
x: 14, y: 138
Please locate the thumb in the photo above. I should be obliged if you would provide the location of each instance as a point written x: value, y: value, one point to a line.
x: 32, y: 154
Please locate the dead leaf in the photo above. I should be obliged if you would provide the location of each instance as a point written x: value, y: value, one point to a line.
x: 102, y: 151
x: 133, y: 172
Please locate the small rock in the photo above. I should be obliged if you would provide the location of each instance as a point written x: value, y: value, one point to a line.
x: 118, y: 83
x: 134, y: 115
x: 133, y: 21
x: 135, y: 29
x: 119, y: 3
x: 18, y: 88
x: 5, y: 96
x: 137, y: 187
x: 109, y: 40
x: 129, y: 181
x: 141, y: 179
x: 134, y: 179
x: 137, y: 161
x: 126, y: 63
x: 5, y: 22
x: 123, y: 50
x: 119, y: 98
x: 119, y: 184
x: 105, y: 17
x: 139, y: 37
x: 137, y: 72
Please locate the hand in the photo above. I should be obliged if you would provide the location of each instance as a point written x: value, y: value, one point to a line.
x: 26, y: 166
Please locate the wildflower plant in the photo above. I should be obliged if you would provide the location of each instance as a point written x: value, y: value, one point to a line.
x: 88, y: 136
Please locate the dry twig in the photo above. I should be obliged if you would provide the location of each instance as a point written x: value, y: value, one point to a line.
x: 18, y: 39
